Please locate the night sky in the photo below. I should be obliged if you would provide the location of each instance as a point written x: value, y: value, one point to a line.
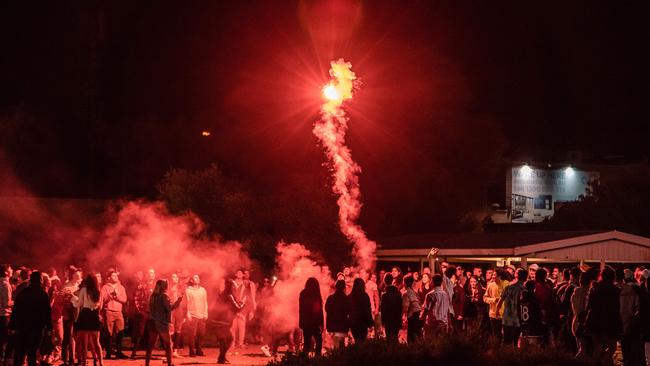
x: 99, y: 99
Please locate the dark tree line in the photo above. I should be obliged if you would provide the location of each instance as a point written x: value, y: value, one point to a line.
x: 618, y: 204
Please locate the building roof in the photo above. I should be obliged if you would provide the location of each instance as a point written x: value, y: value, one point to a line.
x: 478, y: 240
x: 613, y: 246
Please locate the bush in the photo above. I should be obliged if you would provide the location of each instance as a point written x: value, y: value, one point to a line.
x: 442, y: 352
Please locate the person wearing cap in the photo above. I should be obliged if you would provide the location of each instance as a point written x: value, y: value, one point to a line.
x: 532, y: 269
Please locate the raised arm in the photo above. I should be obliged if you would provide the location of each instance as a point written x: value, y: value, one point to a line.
x: 433, y: 261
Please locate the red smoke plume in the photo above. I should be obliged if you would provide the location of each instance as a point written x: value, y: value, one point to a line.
x: 331, y: 130
x: 294, y: 266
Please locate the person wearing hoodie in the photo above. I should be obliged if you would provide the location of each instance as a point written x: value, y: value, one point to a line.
x: 391, y: 309
x: 603, y: 324
x: 337, y: 308
x: 310, y: 316
x: 114, y: 298
x: 360, y: 311
x: 31, y: 317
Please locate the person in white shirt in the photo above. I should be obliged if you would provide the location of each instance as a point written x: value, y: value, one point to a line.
x: 88, y: 302
x: 197, y: 314
x: 240, y: 293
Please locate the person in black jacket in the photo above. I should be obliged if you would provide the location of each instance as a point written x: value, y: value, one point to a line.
x: 338, y: 314
x: 603, y: 323
x: 391, y: 309
x: 311, y: 315
x: 360, y: 311
x: 30, y: 319
x: 225, y: 314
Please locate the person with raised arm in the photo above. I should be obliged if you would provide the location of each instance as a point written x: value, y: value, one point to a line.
x: 437, y: 268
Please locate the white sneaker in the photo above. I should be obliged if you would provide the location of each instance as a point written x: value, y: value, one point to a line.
x: 266, y: 350
x: 175, y: 354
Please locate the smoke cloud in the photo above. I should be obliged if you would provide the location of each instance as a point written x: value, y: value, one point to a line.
x: 144, y: 235
x: 295, y: 266
x: 98, y: 234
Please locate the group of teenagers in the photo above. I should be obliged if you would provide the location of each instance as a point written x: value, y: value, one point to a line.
x: 584, y: 310
x: 587, y: 311
x: 46, y: 319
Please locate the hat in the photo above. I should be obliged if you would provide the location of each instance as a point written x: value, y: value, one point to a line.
x: 512, y: 267
x: 645, y: 273
x: 533, y: 266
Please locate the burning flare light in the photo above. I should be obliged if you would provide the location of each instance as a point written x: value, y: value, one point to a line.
x: 331, y: 130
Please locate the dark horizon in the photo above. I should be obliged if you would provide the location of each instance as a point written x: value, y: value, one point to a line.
x: 100, y: 99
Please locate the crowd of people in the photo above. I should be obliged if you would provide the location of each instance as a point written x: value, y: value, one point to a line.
x: 45, y: 318
x: 584, y: 310
x: 587, y: 311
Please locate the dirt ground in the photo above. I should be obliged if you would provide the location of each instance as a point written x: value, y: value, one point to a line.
x: 250, y: 355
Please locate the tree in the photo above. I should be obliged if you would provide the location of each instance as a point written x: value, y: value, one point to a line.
x: 298, y: 211
x: 619, y: 204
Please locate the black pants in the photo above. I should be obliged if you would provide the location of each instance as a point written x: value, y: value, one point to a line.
x: 224, y: 341
x: 457, y: 326
x: 114, y: 343
x: 4, y: 335
x: 414, y: 330
x: 27, y: 343
x: 67, y: 344
x: 495, y: 328
x: 511, y: 335
x: 633, y: 349
x: 138, y: 330
x: 392, y: 334
x: 359, y: 334
x: 317, y: 334
x: 196, y: 332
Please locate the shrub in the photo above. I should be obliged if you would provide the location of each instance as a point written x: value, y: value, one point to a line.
x: 459, y: 351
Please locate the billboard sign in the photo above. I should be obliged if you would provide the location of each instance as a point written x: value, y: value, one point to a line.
x: 535, y: 192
